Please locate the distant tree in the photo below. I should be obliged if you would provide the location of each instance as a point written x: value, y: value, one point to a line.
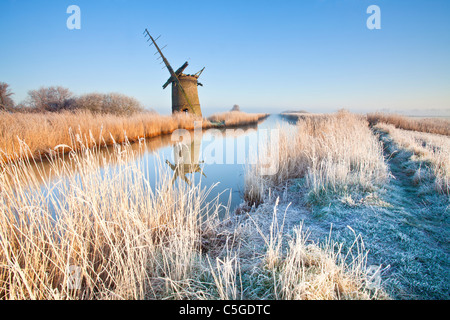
x: 90, y: 101
x: 121, y: 104
x: 55, y: 99
x: 236, y: 108
x: 6, y: 103
x: 51, y: 99
x: 22, y: 107
x: 114, y: 103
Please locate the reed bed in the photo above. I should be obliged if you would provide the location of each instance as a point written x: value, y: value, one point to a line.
x: 42, y: 132
x: 295, y: 267
x: 311, y: 271
x: 426, y: 148
x: 430, y: 125
x: 90, y: 233
x: 314, y: 272
x: 333, y: 153
x: 123, y: 239
x: 235, y: 118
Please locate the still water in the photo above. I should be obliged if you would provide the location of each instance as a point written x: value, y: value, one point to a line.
x: 213, y: 157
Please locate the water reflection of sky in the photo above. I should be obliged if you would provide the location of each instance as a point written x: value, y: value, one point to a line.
x: 221, y: 157
x: 224, y: 153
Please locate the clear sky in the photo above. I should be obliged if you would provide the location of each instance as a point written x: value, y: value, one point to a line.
x: 316, y: 55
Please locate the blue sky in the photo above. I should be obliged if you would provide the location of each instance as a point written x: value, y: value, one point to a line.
x: 316, y: 55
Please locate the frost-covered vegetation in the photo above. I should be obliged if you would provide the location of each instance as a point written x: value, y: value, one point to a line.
x: 123, y: 239
x: 351, y: 214
x: 431, y: 154
x: 340, y: 179
x: 332, y: 154
x: 430, y: 125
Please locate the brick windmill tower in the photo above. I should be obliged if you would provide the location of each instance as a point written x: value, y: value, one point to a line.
x: 184, y: 86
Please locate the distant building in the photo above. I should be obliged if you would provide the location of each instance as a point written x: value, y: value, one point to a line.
x: 236, y: 108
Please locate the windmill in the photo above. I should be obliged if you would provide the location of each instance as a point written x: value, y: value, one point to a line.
x: 184, y: 86
x: 186, y: 158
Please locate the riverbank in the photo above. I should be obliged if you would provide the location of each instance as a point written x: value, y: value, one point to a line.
x: 106, y: 234
x: 298, y: 115
x: 39, y: 134
x: 430, y: 125
x: 343, y: 218
x: 236, y: 118
x: 344, y: 180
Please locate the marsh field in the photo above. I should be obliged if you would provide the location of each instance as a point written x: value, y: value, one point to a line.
x: 113, y: 207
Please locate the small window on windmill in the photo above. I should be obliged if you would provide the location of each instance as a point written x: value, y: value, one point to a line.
x: 186, y: 110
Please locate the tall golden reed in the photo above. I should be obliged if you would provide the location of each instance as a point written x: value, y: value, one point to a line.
x: 332, y: 152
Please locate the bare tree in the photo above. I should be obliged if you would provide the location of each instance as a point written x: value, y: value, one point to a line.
x: 114, y: 103
x: 56, y: 99
x: 121, y: 104
x: 90, y: 101
x: 51, y: 99
x: 6, y: 103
